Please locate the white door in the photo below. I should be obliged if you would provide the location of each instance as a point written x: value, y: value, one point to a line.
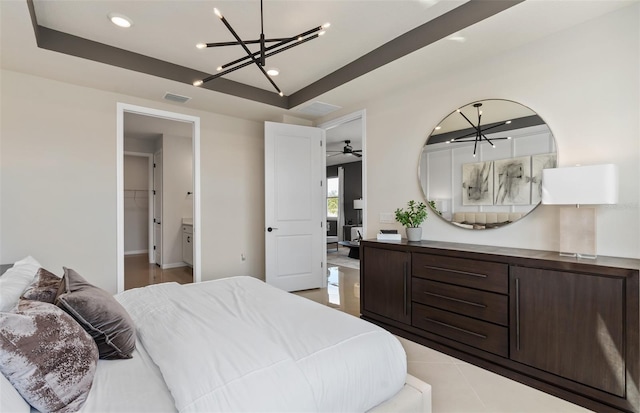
x: 157, y: 207
x: 294, y: 206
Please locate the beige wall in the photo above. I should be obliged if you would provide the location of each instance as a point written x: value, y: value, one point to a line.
x: 136, y: 204
x: 585, y: 84
x: 177, y: 180
x: 58, y: 181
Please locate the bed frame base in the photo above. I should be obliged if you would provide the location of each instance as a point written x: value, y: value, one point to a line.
x: 415, y: 396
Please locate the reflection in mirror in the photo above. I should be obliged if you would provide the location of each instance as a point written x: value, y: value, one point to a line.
x: 481, y: 166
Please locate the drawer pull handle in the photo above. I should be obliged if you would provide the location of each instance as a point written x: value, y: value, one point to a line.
x: 405, y: 284
x: 457, y: 300
x: 518, y: 313
x: 482, y: 336
x: 472, y: 274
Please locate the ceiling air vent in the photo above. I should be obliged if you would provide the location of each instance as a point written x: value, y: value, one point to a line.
x: 318, y: 109
x: 176, y: 98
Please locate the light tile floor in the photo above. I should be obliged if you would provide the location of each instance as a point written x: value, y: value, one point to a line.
x: 457, y: 386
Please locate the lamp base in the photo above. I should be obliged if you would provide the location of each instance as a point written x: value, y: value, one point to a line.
x: 578, y: 232
x: 576, y: 255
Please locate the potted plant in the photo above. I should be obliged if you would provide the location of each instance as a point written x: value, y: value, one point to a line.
x: 412, y: 218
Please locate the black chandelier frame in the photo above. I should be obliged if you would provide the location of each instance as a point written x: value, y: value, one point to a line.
x: 478, y: 135
x: 258, y: 58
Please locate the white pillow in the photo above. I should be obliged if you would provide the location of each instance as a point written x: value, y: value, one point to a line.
x: 15, y: 280
x: 10, y: 399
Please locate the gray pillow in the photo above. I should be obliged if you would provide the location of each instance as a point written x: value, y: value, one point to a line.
x: 44, y: 287
x: 47, y: 356
x: 99, y: 314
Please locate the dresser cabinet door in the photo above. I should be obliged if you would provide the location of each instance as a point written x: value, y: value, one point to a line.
x: 386, y: 287
x: 569, y: 324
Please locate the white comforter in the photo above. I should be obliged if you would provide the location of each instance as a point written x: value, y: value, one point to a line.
x: 240, y: 345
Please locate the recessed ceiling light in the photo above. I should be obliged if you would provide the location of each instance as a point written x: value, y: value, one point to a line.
x: 273, y: 72
x: 457, y: 37
x: 120, y: 20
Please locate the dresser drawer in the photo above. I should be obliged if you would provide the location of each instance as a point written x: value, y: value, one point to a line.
x: 480, y: 334
x: 483, y: 275
x: 484, y: 305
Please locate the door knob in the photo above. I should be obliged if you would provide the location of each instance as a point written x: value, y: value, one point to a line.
x: 271, y: 229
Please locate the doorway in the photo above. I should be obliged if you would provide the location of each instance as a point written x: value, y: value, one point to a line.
x: 192, y: 194
x: 345, y: 139
x: 346, y: 161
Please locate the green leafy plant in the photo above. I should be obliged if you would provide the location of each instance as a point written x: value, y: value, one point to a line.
x: 413, y: 216
x: 432, y: 204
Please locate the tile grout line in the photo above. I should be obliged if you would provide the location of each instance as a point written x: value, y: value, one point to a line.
x: 466, y: 379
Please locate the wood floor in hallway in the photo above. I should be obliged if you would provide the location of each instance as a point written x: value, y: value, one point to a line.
x: 139, y: 273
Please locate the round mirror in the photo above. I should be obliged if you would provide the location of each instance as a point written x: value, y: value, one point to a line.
x: 482, y: 165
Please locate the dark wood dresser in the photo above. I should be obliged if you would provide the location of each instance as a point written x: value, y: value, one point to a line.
x: 566, y: 326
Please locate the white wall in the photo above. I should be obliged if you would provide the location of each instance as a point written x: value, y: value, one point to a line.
x: 136, y: 204
x: 141, y: 145
x: 177, y: 180
x: 58, y: 182
x: 584, y: 82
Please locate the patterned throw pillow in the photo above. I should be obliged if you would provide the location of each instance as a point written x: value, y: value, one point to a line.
x: 14, y: 281
x: 47, y: 356
x: 99, y: 314
x: 44, y: 287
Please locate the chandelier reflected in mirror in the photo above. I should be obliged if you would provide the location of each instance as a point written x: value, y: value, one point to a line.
x: 478, y: 134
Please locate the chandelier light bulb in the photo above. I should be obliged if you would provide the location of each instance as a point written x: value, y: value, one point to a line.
x: 273, y: 72
x: 321, y: 33
x: 326, y: 25
x: 201, y: 45
x: 197, y: 83
x: 217, y: 12
x: 219, y: 68
x: 506, y: 123
x: 281, y: 94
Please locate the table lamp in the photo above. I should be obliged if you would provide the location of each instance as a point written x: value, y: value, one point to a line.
x: 358, y: 204
x: 578, y: 186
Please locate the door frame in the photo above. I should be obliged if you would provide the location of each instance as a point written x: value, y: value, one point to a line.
x: 158, y: 243
x: 149, y: 157
x: 121, y: 108
x: 362, y: 115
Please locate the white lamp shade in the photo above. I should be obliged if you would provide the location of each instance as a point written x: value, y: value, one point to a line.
x: 580, y: 185
x: 358, y: 204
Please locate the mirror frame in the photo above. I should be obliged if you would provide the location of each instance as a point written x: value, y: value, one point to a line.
x: 489, y: 189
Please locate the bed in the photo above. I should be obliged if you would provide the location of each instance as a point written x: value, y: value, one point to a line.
x: 237, y: 344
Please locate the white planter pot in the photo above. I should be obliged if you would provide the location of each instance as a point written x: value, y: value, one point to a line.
x: 414, y: 234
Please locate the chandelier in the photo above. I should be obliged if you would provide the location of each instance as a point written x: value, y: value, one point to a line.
x: 259, y: 57
x: 477, y: 136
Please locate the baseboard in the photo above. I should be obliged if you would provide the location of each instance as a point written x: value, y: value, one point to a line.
x: 174, y: 265
x: 136, y: 252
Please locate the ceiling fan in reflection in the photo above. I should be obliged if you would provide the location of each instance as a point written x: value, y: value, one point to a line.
x: 347, y: 150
